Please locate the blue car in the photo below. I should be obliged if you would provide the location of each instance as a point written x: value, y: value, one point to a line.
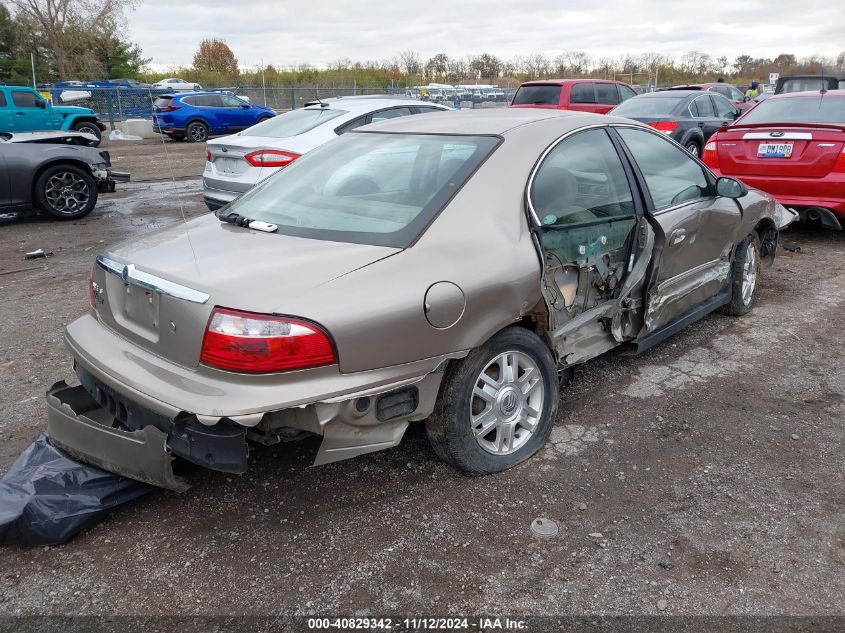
x: 195, y: 116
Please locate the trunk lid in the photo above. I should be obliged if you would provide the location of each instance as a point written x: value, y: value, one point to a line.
x: 228, y: 153
x: 234, y: 267
x: 803, y: 151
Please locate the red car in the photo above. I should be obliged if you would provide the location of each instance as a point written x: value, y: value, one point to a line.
x: 584, y: 95
x: 729, y: 91
x: 792, y: 146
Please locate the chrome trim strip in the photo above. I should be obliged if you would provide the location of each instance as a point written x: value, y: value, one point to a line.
x: 787, y: 136
x: 131, y: 275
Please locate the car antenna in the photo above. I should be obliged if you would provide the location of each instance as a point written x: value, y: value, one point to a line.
x: 323, y: 104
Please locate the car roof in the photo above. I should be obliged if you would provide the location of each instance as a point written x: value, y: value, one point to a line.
x: 490, y: 121
x: 562, y: 82
x: 677, y: 93
x: 807, y: 94
x: 367, y: 103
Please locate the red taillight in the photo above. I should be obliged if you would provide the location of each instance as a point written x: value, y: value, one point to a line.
x: 840, y: 162
x: 261, y: 343
x: 208, y: 155
x: 270, y: 158
x: 667, y: 127
x: 710, y: 155
x: 169, y: 108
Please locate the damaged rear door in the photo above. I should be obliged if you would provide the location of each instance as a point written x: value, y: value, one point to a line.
x: 592, y: 234
x: 696, y: 230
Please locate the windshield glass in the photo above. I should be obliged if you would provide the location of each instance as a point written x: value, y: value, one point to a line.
x: 366, y: 188
x: 293, y: 123
x: 646, y: 106
x: 537, y: 95
x: 816, y: 109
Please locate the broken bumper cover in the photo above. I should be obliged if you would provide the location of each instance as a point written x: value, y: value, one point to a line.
x: 77, y: 425
x: 108, y: 179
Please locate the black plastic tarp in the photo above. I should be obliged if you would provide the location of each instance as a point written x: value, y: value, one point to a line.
x: 46, y: 498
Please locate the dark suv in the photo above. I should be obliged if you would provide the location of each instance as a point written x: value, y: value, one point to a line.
x: 584, y: 95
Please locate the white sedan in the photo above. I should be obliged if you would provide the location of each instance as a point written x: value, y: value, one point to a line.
x: 175, y: 84
x: 236, y: 163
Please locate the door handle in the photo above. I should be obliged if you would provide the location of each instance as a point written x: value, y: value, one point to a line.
x: 20, y: 114
x: 701, y: 124
x: 678, y: 236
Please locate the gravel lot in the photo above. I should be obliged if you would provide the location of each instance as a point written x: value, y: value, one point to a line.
x: 704, y: 477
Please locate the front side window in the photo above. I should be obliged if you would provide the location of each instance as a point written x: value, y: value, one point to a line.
x: 25, y: 99
x: 735, y: 94
x: 582, y: 93
x: 724, y: 108
x: 367, y: 188
x: 671, y: 175
x: 293, y: 123
x: 231, y: 102
x: 625, y: 93
x: 580, y: 181
x: 607, y: 94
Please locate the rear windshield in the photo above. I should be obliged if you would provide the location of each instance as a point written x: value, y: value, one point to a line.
x: 646, y: 106
x: 800, y: 84
x: 366, y: 188
x: 820, y: 109
x: 537, y: 95
x: 293, y: 123
x: 162, y: 102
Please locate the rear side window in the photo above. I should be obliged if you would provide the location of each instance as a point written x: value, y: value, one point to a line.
x: 704, y: 107
x: 393, y: 113
x: 2, y: 100
x: 537, y: 95
x: 427, y: 109
x: 206, y: 101
x: 24, y: 99
x: 582, y: 93
x: 607, y: 94
x: 671, y: 175
x: 581, y: 180
x: 842, y: 84
x: 294, y: 122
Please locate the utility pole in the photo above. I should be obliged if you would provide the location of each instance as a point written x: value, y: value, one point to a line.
x: 32, y: 61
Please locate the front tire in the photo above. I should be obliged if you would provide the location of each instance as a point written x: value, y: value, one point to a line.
x: 197, y: 132
x: 66, y: 192
x: 745, y: 277
x: 497, y: 406
x: 89, y: 128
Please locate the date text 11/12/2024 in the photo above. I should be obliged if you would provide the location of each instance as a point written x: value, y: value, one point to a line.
x: 417, y: 624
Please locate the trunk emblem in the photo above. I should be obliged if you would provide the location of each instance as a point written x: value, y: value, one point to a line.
x: 225, y: 150
x: 776, y: 134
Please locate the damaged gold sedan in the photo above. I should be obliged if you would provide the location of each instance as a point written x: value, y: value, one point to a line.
x: 450, y: 268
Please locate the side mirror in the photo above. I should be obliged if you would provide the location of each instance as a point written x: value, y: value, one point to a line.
x: 736, y: 114
x: 41, y: 104
x: 730, y: 188
x: 246, y: 106
x: 746, y: 99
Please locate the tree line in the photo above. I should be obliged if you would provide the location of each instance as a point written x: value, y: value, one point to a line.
x: 84, y: 40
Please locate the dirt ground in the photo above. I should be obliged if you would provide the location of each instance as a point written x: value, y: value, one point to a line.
x: 705, y: 476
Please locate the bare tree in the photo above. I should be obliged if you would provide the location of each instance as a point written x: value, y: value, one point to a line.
x: 411, y: 62
x: 536, y: 65
x: 66, y: 28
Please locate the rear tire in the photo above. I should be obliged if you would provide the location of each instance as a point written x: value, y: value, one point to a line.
x: 66, y: 192
x: 745, y: 277
x: 197, y: 132
x: 89, y: 128
x: 514, y: 415
x: 693, y: 148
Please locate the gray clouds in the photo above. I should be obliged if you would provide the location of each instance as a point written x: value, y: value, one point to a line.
x: 288, y: 32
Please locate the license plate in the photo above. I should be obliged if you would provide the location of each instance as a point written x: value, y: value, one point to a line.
x: 227, y: 165
x: 774, y: 150
x: 141, y: 306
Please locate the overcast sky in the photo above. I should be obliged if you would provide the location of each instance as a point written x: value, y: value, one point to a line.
x: 289, y: 32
